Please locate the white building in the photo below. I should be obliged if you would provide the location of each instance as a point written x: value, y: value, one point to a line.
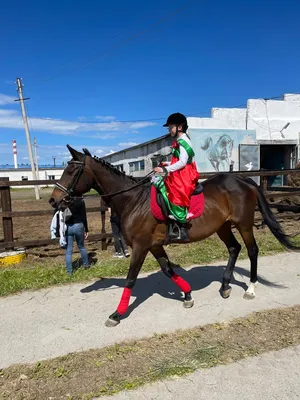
x: 25, y: 174
x: 271, y: 127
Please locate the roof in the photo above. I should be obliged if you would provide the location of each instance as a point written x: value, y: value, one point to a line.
x: 137, y: 146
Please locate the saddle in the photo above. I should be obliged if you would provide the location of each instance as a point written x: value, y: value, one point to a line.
x: 176, y: 232
x: 161, y: 203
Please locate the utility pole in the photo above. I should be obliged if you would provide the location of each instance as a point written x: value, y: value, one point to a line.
x: 36, y: 160
x: 21, y: 100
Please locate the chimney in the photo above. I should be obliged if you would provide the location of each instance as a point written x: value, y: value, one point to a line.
x: 14, y: 143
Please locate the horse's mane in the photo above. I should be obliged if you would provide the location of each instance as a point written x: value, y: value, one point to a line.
x: 110, y: 167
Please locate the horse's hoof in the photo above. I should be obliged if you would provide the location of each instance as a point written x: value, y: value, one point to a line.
x: 249, y: 296
x: 113, y: 320
x: 226, y: 293
x: 111, y: 323
x: 188, y: 303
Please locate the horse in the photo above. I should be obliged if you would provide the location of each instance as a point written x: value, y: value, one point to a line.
x: 220, y: 153
x: 229, y: 200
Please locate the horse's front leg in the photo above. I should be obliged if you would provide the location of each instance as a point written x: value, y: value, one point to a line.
x: 137, y: 259
x: 166, y: 267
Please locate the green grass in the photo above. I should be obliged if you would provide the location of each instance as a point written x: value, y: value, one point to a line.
x: 37, y: 274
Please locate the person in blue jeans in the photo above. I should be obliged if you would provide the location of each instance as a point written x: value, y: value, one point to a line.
x: 77, y: 229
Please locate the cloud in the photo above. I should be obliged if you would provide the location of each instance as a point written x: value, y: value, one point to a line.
x: 4, y: 99
x: 12, y: 119
x: 105, y: 118
x: 110, y: 152
x: 127, y: 144
x: 101, y: 136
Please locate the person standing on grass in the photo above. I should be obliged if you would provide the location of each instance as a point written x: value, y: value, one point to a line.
x: 119, y: 241
x: 76, y: 227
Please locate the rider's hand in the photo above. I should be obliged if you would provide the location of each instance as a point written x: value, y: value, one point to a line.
x: 164, y: 163
x: 158, y: 170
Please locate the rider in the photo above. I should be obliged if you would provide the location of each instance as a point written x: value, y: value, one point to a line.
x: 181, y: 180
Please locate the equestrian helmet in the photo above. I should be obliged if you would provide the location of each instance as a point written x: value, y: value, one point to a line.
x: 176, y: 119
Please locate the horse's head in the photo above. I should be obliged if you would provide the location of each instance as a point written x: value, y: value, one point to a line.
x: 76, y: 180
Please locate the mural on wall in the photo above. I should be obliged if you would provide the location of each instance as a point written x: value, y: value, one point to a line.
x: 217, y: 149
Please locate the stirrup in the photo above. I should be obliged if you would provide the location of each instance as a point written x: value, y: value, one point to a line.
x: 177, y: 232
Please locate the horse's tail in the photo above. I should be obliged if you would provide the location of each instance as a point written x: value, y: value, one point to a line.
x: 207, y: 143
x: 270, y: 219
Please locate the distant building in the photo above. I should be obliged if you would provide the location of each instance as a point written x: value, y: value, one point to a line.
x: 25, y: 174
x: 142, y: 158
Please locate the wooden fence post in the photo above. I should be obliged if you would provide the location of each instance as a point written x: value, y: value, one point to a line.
x: 6, y: 206
x: 264, y: 190
x: 264, y: 184
x: 103, y: 231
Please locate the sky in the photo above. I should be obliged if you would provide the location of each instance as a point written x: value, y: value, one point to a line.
x: 106, y: 75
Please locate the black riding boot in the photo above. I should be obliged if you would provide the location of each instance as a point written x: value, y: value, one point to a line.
x: 177, y: 233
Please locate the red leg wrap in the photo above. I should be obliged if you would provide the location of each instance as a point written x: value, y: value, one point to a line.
x: 181, y: 283
x: 124, y: 302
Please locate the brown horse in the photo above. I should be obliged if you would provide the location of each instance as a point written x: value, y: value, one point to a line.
x: 229, y: 199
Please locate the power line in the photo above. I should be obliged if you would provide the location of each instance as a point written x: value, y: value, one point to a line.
x: 129, y: 39
x: 244, y: 105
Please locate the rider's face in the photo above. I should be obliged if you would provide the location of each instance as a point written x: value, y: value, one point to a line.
x: 173, y: 131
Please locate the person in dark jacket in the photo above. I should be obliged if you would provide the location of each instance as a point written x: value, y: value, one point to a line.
x: 119, y: 241
x: 76, y: 228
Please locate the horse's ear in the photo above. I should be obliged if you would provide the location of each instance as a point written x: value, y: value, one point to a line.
x: 76, y: 155
x: 86, y: 152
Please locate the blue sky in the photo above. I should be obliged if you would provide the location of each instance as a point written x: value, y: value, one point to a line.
x: 87, y: 68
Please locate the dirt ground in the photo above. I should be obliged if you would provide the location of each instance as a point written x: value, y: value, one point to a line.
x: 38, y: 227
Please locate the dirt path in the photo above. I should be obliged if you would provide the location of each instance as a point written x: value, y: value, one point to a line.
x: 57, y: 321
x: 264, y: 377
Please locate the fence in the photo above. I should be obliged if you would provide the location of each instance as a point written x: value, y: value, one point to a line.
x: 7, y: 214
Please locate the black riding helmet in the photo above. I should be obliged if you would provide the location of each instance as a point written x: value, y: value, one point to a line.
x: 177, y: 119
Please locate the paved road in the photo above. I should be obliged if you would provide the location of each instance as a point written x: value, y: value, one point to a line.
x: 52, y: 322
x: 272, y: 376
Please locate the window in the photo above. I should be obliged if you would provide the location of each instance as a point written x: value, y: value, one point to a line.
x: 24, y: 178
x: 137, y: 166
x: 50, y: 177
x: 120, y: 167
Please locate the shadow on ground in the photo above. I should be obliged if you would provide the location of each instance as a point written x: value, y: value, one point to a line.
x: 199, y: 278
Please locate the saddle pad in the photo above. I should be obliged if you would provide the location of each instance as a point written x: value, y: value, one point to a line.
x: 196, y: 206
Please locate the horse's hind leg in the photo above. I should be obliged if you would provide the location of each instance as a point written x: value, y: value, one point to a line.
x: 166, y: 267
x: 234, y: 248
x: 249, y: 240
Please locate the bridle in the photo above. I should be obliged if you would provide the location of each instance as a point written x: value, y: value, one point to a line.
x: 70, y: 192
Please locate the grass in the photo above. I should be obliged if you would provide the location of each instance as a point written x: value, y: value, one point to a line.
x: 36, y: 273
x: 126, y: 366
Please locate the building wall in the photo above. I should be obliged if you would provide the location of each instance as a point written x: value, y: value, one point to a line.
x: 268, y: 117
